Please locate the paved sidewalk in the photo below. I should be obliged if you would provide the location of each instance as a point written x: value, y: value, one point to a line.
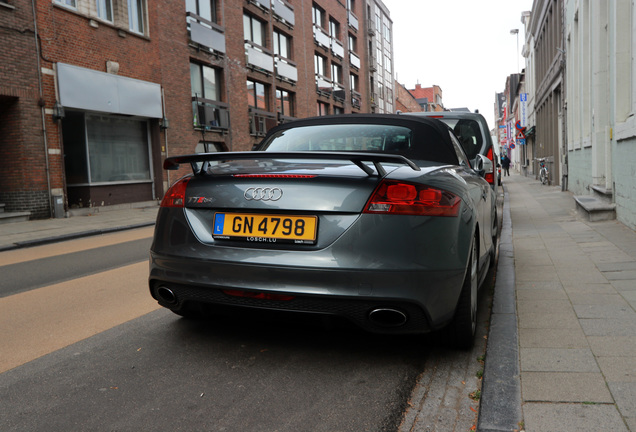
x: 575, y: 286
x: 95, y: 221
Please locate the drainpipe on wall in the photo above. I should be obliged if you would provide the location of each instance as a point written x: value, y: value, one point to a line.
x: 42, y: 112
x: 165, y: 136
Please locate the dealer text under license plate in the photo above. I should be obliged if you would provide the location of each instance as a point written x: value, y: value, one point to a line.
x: 265, y: 228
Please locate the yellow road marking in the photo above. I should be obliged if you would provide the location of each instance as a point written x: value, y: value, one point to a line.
x: 41, y: 321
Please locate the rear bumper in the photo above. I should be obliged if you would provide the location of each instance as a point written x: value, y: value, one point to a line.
x: 426, y: 299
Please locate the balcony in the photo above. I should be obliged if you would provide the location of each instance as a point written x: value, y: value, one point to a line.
x: 284, y: 12
x: 321, y: 38
x: 356, y: 99
x: 262, y: 4
x: 210, y: 115
x: 261, y: 121
x: 371, y: 27
x: 286, y: 69
x: 285, y: 119
x: 372, y: 64
x: 324, y: 86
x: 259, y: 58
x: 353, y: 21
x: 339, y: 93
x: 374, y: 100
x: 206, y: 33
x: 337, y: 48
x: 354, y: 60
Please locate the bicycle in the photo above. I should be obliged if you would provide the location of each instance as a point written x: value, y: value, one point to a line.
x: 544, y: 174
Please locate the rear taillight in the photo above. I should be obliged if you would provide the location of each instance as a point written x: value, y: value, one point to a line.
x: 175, y: 197
x: 490, y: 176
x: 393, y: 197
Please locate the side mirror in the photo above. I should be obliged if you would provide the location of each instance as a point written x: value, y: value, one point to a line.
x: 482, y: 165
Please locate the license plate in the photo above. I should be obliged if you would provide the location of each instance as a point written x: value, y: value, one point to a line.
x: 265, y: 228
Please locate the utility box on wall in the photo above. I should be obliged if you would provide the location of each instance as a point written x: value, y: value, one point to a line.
x: 58, y: 206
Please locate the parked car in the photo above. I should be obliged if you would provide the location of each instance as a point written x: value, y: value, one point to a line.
x: 377, y: 219
x: 474, y: 135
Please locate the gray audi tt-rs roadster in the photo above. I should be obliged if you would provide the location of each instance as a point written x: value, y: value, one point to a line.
x: 378, y: 219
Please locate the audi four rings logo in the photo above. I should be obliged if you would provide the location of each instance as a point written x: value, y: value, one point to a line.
x: 263, y: 194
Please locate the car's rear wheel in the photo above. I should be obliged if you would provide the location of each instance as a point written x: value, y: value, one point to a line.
x: 495, y: 236
x: 461, y: 331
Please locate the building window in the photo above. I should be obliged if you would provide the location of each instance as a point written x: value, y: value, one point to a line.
x: 118, y: 149
x: 282, y: 45
x: 104, y: 10
x: 336, y: 73
x: 334, y: 29
x: 253, y: 30
x: 209, y: 147
x: 320, y: 64
x: 206, y: 9
x: 105, y: 149
x: 353, y: 43
x: 353, y: 82
x: 322, y: 109
x: 386, y: 28
x: 136, y: 14
x: 257, y: 95
x: 204, y: 82
x: 318, y: 16
x: 351, y: 5
x: 70, y: 3
x: 285, y: 102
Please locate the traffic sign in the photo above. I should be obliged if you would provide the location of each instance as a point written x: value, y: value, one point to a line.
x: 512, y: 146
x: 521, y: 141
x: 521, y: 135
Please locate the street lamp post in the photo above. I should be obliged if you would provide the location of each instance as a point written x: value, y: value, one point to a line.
x: 516, y: 32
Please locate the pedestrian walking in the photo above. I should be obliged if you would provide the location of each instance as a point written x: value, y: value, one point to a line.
x: 505, y: 164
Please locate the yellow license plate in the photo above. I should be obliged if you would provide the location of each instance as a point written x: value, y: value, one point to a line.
x: 265, y: 228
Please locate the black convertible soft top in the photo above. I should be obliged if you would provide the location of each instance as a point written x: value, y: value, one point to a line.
x: 431, y: 137
x: 422, y: 139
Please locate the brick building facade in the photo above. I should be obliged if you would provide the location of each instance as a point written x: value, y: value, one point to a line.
x: 127, y: 83
x: 429, y: 98
x: 404, y: 100
x: 23, y: 179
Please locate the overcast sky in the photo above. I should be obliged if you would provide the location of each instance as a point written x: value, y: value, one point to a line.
x: 463, y: 46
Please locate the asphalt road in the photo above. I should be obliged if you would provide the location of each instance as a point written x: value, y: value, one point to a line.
x: 84, y: 347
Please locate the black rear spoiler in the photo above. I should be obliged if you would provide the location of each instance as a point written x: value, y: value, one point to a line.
x: 358, y: 159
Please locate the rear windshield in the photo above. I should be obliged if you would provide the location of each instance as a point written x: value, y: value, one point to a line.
x: 469, y: 134
x: 420, y: 143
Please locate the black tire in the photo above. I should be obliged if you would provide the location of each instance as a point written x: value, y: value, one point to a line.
x: 495, y: 236
x: 461, y: 331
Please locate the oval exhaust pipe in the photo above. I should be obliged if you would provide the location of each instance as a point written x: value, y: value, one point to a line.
x: 166, y: 295
x: 387, y: 317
